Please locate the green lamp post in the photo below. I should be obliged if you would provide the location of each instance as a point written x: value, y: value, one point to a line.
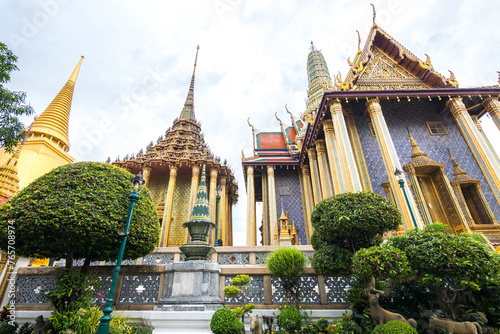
x: 134, y: 197
x: 217, y: 199
x: 401, y: 180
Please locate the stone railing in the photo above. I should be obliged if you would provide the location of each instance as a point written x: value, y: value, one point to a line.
x: 141, y: 282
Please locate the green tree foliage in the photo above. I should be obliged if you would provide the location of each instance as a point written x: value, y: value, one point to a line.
x: 287, y: 263
x: 346, y: 223
x: 11, y: 103
x: 239, y: 288
x: 75, y: 210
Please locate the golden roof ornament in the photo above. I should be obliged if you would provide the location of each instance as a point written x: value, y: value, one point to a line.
x: 374, y: 14
x: 359, y: 41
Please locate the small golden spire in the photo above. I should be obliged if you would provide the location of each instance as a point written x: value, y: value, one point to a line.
x: 415, y: 149
x: 196, y: 59
x: 428, y: 61
x: 374, y: 14
x: 359, y: 40
x: 54, y: 121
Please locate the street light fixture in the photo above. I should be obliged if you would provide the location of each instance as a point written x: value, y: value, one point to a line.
x: 401, y: 180
x: 218, y: 191
x: 108, y: 309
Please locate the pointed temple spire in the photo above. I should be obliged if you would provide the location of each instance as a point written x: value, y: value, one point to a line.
x: 187, y: 112
x: 201, y: 209
x: 319, y: 78
x: 54, y: 121
x: 459, y: 175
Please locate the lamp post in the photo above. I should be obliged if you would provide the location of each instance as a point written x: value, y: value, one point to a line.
x: 134, y: 197
x: 401, y: 180
x: 217, y: 199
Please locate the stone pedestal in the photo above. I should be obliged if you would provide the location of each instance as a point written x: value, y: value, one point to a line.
x: 191, y: 286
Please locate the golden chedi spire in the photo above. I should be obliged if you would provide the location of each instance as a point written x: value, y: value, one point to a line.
x: 459, y: 175
x: 54, y: 121
x: 187, y: 112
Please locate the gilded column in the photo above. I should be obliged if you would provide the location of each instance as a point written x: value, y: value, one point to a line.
x: 358, y: 152
x: 492, y: 106
x: 230, y: 229
x: 324, y: 170
x: 167, y: 215
x: 391, y: 162
x: 476, y: 144
x: 8, y: 276
x: 223, y: 210
x: 493, y: 153
x: 419, y: 196
x: 334, y: 162
x: 271, y: 193
x: 251, y: 219
x: 212, y: 200
x: 265, y: 215
x: 146, y: 173
x: 350, y: 170
x: 195, y: 177
x: 315, y: 180
x: 308, y: 200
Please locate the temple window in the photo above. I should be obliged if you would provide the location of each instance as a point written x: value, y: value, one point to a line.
x: 436, y: 128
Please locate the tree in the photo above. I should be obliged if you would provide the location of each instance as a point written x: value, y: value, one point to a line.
x: 346, y: 223
x: 11, y: 104
x: 239, y: 288
x: 287, y: 263
x: 459, y: 263
x: 74, y: 212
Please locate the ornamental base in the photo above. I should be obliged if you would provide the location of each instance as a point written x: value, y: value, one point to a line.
x: 191, y: 286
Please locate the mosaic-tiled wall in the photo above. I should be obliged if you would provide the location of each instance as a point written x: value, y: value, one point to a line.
x: 414, y: 116
x: 290, y: 177
x: 158, y: 186
x: 180, y: 210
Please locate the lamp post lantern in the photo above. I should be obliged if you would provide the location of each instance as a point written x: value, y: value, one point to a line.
x: 217, y: 199
x: 401, y: 180
x: 123, y: 233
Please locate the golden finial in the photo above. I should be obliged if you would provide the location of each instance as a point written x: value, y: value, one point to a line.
x: 349, y: 61
x: 374, y: 14
x: 359, y: 40
x: 428, y: 61
x: 196, y: 58
x: 452, y: 76
x: 248, y: 120
x: 309, y: 118
x: 339, y: 78
x: 242, y: 155
x: 288, y: 111
x: 279, y: 120
x: 499, y: 83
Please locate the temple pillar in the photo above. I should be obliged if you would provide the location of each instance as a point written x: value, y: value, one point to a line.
x: 223, y: 210
x: 266, y: 228
x: 349, y: 171
x: 251, y: 219
x: 334, y: 162
x: 492, y: 106
x: 358, y: 151
x: 230, y: 222
x: 493, y: 153
x: 273, y: 216
x: 308, y: 200
x: 146, y: 173
x: 324, y: 169
x: 169, y: 199
x: 484, y: 158
x: 391, y: 162
x: 315, y: 179
x: 212, y: 201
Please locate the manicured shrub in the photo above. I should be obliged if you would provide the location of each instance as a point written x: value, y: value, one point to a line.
x: 225, y: 321
x: 395, y: 327
x: 8, y: 327
x: 289, y: 319
x: 287, y: 263
x: 346, y: 325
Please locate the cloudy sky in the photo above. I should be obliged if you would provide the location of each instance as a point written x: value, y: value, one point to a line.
x: 252, y: 61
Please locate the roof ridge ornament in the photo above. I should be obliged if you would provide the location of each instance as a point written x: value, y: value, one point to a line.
x: 374, y: 15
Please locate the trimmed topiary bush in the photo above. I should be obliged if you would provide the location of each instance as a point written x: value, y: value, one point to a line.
x: 8, y: 327
x: 395, y: 327
x: 74, y: 211
x: 289, y: 319
x: 225, y: 321
x: 287, y: 263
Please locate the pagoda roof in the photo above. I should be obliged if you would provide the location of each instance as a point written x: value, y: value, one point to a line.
x: 378, y: 38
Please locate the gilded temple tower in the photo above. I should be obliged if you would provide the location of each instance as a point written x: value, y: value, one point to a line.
x: 171, y: 168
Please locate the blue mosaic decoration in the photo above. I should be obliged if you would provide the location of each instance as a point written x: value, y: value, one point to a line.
x: 139, y: 289
x: 30, y: 289
x: 233, y: 258
x: 255, y: 295
x: 261, y: 258
x: 158, y: 258
x: 309, y: 290
x: 293, y: 203
x: 336, y: 288
x: 414, y: 116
